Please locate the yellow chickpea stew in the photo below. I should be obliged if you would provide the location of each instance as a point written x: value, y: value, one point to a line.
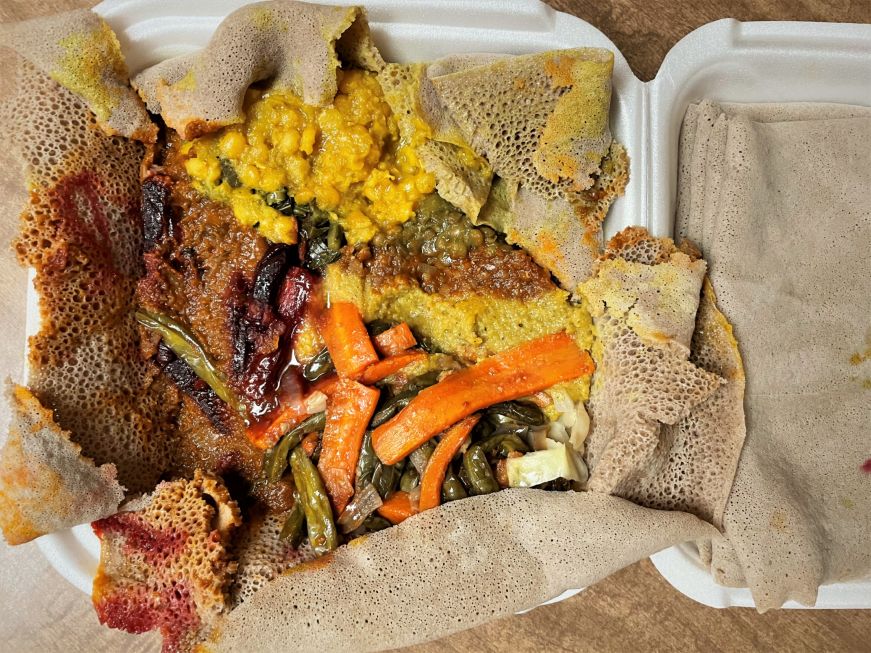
x: 347, y: 159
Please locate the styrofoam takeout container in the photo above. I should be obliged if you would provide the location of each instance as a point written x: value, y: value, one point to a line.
x: 726, y: 61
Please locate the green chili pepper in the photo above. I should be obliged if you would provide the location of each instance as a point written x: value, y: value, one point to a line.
x: 322, y: 533
x: 293, y: 525
x: 452, y: 488
x: 318, y: 366
x: 478, y: 471
x: 185, y: 346
x: 275, y: 459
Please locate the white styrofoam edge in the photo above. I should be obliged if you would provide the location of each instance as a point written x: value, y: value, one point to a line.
x: 680, y: 566
x: 74, y: 553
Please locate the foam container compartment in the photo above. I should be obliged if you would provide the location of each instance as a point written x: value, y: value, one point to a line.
x: 726, y: 60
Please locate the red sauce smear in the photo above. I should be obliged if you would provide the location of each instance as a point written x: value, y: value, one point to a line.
x: 155, y: 545
x: 866, y: 466
x: 136, y: 609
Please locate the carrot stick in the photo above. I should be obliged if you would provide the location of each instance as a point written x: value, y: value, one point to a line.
x: 347, y: 340
x: 348, y: 413
x: 384, y: 368
x: 446, y: 449
x: 397, y: 508
x: 514, y: 373
x: 310, y: 443
x: 326, y: 384
x: 395, y: 340
x: 289, y: 415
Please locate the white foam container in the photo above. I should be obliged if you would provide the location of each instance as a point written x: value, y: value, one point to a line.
x: 726, y: 60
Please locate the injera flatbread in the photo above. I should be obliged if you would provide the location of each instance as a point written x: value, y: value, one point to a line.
x: 644, y: 317
x: 45, y: 483
x: 562, y: 237
x: 165, y: 565
x: 294, y: 45
x: 80, y: 230
x: 543, y: 120
x: 78, y: 50
x: 789, y: 259
x: 488, y: 556
x: 462, y: 177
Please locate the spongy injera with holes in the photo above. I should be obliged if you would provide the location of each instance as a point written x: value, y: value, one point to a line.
x: 451, y: 568
x: 786, y: 228
x: 80, y: 232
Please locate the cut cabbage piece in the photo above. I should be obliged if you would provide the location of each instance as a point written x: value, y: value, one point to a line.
x: 546, y: 465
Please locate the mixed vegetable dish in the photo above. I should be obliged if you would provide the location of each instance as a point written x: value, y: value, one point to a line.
x: 350, y: 349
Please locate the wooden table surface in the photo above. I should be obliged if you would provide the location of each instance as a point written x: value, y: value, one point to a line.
x: 635, y: 609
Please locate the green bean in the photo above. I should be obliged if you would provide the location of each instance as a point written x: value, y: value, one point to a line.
x: 386, y: 478
x: 410, y: 479
x: 293, y: 525
x: 367, y: 462
x: 183, y: 344
x: 399, y: 401
x: 425, y: 380
x: 275, y: 460
x: 318, y: 366
x: 452, y: 488
x: 478, y: 471
x: 322, y: 534
x: 464, y: 478
x: 504, y: 443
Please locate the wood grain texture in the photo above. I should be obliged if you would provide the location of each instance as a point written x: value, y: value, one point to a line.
x: 633, y: 610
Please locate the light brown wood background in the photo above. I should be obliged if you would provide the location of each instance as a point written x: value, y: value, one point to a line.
x: 633, y: 610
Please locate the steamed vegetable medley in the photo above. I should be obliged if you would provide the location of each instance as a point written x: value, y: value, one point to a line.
x: 371, y: 443
x: 347, y: 343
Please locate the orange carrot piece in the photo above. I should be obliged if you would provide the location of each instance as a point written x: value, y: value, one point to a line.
x: 265, y: 435
x: 349, y: 411
x: 326, y: 384
x: 434, y: 473
x: 347, y: 340
x: 309, y: 443
x: 395, y: 340
x: 397, y: 507
x: 514, y: 373
x: 384, y: 368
